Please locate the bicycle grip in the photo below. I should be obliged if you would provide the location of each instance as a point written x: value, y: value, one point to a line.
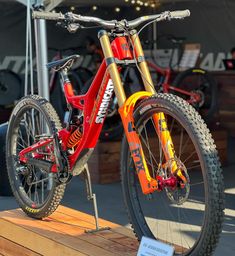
x: 179, y: 14
x: 47, y: 15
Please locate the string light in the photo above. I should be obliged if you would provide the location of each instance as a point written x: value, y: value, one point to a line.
x: 117, y: 9
x: 145, y: 3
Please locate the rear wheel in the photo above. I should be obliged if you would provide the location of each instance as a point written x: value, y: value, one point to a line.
x: 203, y: 84
x: 187, y: 217
x: 35, y: 188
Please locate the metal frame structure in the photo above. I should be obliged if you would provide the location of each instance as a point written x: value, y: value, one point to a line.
x: 41, y: 44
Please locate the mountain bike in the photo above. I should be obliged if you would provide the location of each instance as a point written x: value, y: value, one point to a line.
x: 171, y: 176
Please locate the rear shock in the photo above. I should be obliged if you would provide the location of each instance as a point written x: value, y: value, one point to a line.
x: 74, y: 138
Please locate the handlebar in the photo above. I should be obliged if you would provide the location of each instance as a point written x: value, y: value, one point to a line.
x: 110, y: 24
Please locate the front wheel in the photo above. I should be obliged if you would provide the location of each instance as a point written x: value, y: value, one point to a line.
x: 187, y: 217
x: 35, y: 188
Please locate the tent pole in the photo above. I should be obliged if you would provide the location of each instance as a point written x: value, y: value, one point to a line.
x: 41, y: 57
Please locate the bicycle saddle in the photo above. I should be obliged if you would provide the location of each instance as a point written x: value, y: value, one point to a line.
x: 63, y: 63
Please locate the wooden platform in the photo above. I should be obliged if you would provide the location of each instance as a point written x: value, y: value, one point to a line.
x: 62, y: 234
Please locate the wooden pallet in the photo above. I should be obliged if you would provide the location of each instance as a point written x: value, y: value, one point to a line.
x: 226, y: 100
x: 62, y: 234
x: 104, y: 163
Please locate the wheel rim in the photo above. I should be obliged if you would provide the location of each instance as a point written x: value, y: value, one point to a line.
x: 32, y: 183
x: 177, y: 224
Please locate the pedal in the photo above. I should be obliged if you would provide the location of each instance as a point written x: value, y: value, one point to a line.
x: 91, y: 196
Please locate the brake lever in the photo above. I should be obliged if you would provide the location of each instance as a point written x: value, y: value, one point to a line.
x: 72, y: 28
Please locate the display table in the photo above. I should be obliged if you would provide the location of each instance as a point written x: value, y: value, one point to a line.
x: 62, y: 234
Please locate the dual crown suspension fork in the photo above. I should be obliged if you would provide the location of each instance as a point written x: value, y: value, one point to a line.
x: 126, y: 108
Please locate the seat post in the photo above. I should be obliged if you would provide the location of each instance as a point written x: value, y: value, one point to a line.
x: 64, y: 75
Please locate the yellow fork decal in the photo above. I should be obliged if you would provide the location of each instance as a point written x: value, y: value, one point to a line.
x: 166, y: 142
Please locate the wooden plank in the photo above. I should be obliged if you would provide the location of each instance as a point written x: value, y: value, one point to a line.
x: 120, y: 238
x: 10, y: 248
x: 112, y: 147
x: 31, y: 240
x: 69, y: 225
x: 103, y: 223
x: 51, y: 237
x: 64, y: 230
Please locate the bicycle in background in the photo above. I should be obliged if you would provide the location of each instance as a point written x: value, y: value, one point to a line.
x: 195, y: 85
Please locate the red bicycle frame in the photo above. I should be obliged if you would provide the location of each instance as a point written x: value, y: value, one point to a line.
x: 93, y: 106
x: 90, y: 104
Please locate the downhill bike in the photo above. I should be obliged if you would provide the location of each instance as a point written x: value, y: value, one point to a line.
x: 171, y: 176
